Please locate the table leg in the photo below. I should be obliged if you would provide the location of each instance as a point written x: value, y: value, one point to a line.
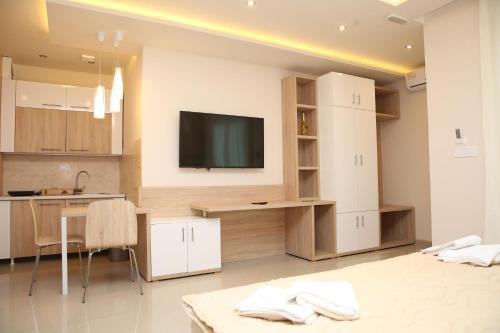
x: 64, y: 255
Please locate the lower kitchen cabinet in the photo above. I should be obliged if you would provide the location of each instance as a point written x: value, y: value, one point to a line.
x: 357, y: 231
x: 184, y: 247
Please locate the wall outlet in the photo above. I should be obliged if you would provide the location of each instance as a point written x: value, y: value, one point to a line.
x: 64, y: 167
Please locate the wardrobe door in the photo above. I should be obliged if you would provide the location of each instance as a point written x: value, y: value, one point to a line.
x: 367, y: 176
x: 369, y: 230
x: 365, y: 94
x: 348, y: 232
x: 343, y: 90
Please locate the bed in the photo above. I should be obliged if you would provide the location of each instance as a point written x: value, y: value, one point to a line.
x: 411, y: 293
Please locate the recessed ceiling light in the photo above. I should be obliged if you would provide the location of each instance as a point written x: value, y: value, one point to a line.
x: 251, y: 3
x: 342, y: 28
x: 395, y: 3
x: 409, y: 46
x: 42, y: 56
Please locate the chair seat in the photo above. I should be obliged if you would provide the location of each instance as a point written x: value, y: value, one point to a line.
x: 53, y: 240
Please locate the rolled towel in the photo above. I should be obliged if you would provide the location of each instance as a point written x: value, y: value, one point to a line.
x: 480, y: 255
x: 454, y: 245
x: 273, y: 304
x: 332, y: 299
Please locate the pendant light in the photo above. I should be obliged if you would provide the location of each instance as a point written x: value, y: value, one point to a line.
x: 100, y: 96
x: 117, y: 90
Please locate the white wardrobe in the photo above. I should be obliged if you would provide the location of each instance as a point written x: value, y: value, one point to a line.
x: 348, y: 158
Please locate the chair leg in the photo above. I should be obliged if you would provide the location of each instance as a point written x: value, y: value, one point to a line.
x: 136, y: 270
x: 35, y: 270
x: 88, y: 276
x: 81, y: 263
x: 132, y: 275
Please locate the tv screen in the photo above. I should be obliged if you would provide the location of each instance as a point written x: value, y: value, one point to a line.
x: 208, y: 140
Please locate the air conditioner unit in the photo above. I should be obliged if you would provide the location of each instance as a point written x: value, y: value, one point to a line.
x: 415, y: 80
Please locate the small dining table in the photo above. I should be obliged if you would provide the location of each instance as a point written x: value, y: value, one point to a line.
x: 74, y: 212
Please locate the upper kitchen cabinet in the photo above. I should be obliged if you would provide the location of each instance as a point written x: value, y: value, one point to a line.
x: 87, y: 135
x: 80, y: 98
x: 40, y: 95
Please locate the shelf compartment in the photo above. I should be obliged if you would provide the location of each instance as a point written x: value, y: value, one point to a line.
x: 387, y: 103
x: 324, y: 231
x: 305, y: 107
x: 308, y: 153
x: 308, y: 184
x: 311, y: 122
x: 397, y: 226
x: 306, y: 91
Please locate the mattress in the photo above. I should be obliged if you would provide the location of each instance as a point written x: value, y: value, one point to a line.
x: 411, y: 293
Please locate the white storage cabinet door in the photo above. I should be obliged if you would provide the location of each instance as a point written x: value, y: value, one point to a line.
x: 168, y: 248
x: 369, y: 230
x: 80, y: 98
x: 348, y: 225
x: 343, y: 90
x: 40, y: 95
x: 204, y: 250
x: 364, y: 94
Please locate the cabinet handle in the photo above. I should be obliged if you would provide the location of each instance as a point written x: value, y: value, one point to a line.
x: 79, y: 107
x: 361, y: 159
x: 192, y: 234
x: 48, y: 104
x: 79, y: 150
x: 51, y: 149
x: 355, y: 159
x: 363, y: 221
x: 49, y: 204
x: 357, y: 221
x: 353, y: 98
x: 183, y: 235
x: 359, y: 99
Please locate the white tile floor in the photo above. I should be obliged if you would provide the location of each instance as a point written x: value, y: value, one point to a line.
x: 114, y: 303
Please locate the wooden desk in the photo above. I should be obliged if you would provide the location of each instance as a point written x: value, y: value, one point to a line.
x: 309, y: 226
x: 71, y: 213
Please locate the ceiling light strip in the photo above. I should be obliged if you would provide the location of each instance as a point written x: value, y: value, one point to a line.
x: 190, y: 22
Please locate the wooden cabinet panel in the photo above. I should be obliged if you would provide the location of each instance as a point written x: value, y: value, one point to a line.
x: 22, y: 236
x: 40, y: 130
x: 87, y: 135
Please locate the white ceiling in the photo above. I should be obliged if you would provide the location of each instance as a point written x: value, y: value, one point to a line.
x: 265, y: 34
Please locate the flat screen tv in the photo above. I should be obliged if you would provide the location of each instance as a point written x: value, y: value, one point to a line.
x: 208, y: 140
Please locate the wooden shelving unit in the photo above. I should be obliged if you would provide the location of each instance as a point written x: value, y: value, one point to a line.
x: 300, y: 150
x: 397, y: 226
x: 387, y: 103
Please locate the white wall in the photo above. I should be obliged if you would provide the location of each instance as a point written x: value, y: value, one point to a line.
x: 452, y: 57
x: 177, y: 81
x: 405, y: 158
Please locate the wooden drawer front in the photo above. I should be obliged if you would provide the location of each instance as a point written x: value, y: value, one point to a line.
x: 40, y: 131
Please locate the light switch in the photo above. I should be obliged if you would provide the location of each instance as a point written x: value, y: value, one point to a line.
x: 64, y: 167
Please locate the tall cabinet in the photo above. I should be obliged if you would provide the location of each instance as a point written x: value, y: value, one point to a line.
x: 348, y: 151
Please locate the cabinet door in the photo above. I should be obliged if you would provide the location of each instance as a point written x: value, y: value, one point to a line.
x: 40, y: 95
x: 343, y: 90
x: 22, y: 236
x: 348, y: 230
x: 40, y: 130
x: 365, y: 94
x: 4, y: 229
x: 345, y: 159
x: 87, y: 135
x: 204, y: 250
x: 168, y: 249
x: 367, y: 174
x: 370, y: 230
x: 80, y: 99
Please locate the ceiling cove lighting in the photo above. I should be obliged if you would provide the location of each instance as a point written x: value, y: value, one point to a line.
x: 152, y: 15
x: 395, y: 3
x: 100, y: 97
x: 117, y: 90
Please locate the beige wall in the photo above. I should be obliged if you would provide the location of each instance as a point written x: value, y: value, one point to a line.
x: 176, y: 81
x: 452, y: 58
x: 24, y: 172
x: 57, y: 76
x: 405, y: 158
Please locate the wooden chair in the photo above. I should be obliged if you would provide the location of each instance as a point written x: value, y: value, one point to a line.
x: 111, y: 224
x: 46, y: 241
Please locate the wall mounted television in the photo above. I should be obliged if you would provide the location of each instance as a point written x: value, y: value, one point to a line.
x: 208, y: 140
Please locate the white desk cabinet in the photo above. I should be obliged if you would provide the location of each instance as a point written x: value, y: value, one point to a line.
x: 184, y: 246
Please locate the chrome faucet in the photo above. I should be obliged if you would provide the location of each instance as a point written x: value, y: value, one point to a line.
x: 78, y: 190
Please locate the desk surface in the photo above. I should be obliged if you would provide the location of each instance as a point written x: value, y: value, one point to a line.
x: 210, y: 208
x: 82, y: 211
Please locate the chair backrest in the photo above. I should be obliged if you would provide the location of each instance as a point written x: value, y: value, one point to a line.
x: 35, y: 221
x: 110, y: 223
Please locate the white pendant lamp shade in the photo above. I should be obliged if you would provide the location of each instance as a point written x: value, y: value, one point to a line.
x: 99, y: 102
x: 117, y: 91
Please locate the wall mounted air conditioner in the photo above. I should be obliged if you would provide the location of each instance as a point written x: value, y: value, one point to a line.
x: 415, y: 80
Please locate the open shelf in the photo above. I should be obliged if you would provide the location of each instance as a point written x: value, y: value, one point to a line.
x: 387, y: 103
x: 306, y: 91
x: 310, y: 117
x: 397, y: 225
x: 308, y: 153
x: 307, y: 137
x: 308, y: 184
x: 308, y: 168
x: 324, y: 231
x: 305, y: 107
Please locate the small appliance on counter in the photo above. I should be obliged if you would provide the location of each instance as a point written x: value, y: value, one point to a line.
x: 24, y: 193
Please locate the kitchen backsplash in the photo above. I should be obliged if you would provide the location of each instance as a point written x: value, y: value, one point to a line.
x: 34, y: 172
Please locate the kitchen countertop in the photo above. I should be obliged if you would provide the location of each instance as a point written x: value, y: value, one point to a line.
x: 64, y: 197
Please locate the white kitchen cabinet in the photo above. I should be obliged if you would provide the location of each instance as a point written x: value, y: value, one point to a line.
x: 4, y: 229
x: 338, y: 89
x: 40, y: 95
x: 357, y: 231
x: 184, y: 246
x: 80, y: 99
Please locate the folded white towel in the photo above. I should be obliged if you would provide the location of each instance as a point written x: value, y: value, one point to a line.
x: 454, y: 245
x: 273, y: 303
x: 481, y: 255
x: 332, y: 299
